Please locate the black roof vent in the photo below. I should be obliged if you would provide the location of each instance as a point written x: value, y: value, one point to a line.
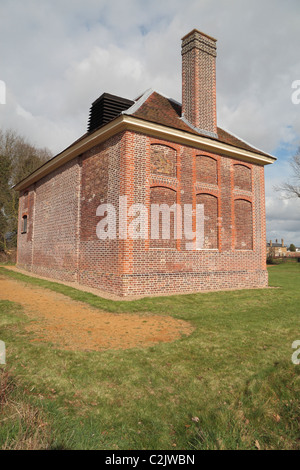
x: 105, y: 109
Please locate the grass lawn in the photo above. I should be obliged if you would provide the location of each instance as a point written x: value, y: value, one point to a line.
x: 230, y: 385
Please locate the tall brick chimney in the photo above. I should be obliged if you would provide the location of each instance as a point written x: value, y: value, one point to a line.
x: 199, y: 81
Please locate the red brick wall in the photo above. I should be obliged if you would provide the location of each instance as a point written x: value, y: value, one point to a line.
x: 99, y: 264
x: 211, y: 225
x: 173, y: 269
x: 243, y: 224
x: 206, y: 170
x: 52, y: 237
x: 159, y: 196
x: 62, y: 242
x: 163, y: 160
x: 242, y: 177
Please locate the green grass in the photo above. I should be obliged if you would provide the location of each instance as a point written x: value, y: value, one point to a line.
x: 230, y: 385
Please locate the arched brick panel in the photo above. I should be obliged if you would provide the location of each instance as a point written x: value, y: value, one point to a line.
x: 206, y: 169
x: 163, y: 160
x: 210, y: 220
x: 162, y: 195
x: 242, y: 177
x: 243, y: 219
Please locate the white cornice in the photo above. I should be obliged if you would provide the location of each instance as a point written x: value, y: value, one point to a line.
x: 124, y: 122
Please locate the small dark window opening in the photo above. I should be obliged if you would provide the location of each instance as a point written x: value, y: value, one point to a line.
x: 24, y: 227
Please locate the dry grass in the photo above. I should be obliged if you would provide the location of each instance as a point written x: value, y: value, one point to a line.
x: 23, y: 423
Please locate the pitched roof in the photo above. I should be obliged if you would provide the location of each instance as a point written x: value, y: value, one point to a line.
x: 155, y: 107
x: 158, y: 109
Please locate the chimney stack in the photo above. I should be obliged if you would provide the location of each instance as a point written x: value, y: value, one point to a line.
x: 199, y: 82
x: 282, y: 243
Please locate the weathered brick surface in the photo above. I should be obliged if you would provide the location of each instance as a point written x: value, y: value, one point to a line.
x: 52, y: 218
x: 99, y: 261
x: 163, y: 160
x: 167, y: 236
x: 206, y: 170
x: 242, y: 177
x: 228, y: 259
x: 211, y: 225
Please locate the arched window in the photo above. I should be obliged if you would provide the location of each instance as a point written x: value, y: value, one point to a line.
x: 210, y: 220
x: 163, y: 160
x: 206, y: 169
x: 243, y: 225
x: 162, y: 217
x: 242, y: 177
x: 24, y: 224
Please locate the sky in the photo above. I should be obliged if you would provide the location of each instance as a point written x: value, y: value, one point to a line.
x: 58, y: 56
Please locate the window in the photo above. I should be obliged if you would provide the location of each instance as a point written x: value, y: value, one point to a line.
x: 24, y: 224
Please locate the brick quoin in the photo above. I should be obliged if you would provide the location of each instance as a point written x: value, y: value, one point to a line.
x: 151, y: 155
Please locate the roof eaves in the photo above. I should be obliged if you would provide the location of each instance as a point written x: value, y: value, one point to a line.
x: 234, y: 151
x: 247, y: 143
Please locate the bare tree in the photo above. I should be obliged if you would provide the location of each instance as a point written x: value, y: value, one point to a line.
x: 18, y: 159
x: 291, y: 188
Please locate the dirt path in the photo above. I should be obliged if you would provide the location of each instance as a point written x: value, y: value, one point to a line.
x: 73, y: 325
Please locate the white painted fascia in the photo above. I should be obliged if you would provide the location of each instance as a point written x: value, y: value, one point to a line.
x: 197, y: 141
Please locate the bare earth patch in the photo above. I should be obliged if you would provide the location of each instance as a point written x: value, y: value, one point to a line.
x: 73, y: 325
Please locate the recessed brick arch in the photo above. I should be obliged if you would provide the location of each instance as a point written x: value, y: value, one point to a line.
x: 163, y: 195
x: 243, y: 223
x: 163, y: 160
x: 210, y: 203
x: 206, y: 169
x: 242, y: 177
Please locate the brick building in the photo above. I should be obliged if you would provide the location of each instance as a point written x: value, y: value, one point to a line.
x: 275, y: 249
x: 153, y: 151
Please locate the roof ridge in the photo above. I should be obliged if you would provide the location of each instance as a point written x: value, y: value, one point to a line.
x: 139, y: 102
x: 143, y: 97
x: 167, y: 97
